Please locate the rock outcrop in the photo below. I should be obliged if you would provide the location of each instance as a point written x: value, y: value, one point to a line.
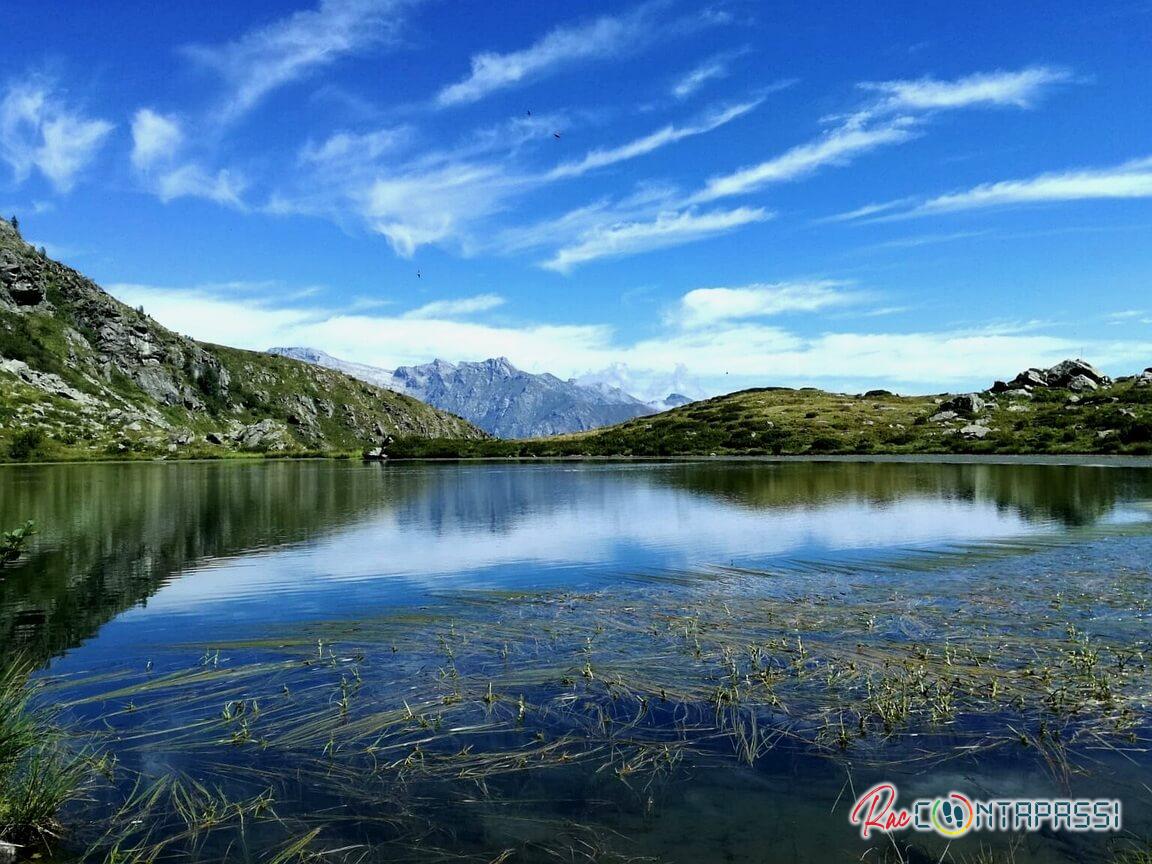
x: 1067, y: 375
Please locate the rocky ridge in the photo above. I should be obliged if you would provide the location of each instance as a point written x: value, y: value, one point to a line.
x: 82, y: 374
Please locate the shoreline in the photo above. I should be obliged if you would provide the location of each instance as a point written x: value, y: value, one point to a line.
x: 1101, y: 460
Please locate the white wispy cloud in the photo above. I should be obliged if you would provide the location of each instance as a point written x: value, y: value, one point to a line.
x: 894, y: 119
x: 457, y: 308
x: 290, y: 48
x: 343, y: 149
x: 163, y: 168
x: 667, y: 229
x: 604, y: 232
x: 1018, y: 89
x: 670, y: 134
x: 1130, y: 180
x: 644, y: 202
x: 440, y: 195
x: 420, y: 208
x: 710, y: 70
x: 1128, y: 316
x: 195, y: 181
x: 460, y: 194
x: 835, y: 148
x: 155, y: 138
x: 708, y: 306
x: 40, y: 131
x: 1127, y: 181
x: 602, y: 37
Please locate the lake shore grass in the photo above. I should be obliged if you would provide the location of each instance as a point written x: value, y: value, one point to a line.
x: 40, y: 772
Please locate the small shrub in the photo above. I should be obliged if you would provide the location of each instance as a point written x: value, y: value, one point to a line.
x: 26, y: 444
x: 1136, y: 432
x: 825, y: 444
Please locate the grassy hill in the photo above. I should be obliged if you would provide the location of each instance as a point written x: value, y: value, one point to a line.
x: 85, y: 376
x: 1114, y: 418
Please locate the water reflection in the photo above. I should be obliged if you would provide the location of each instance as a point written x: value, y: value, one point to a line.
x: 281, y: 541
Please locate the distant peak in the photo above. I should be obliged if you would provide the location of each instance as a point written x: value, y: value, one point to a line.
x: 498, y: 366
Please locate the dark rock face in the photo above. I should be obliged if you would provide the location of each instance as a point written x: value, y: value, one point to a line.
x: 20, y: 276
x: 25, y: 294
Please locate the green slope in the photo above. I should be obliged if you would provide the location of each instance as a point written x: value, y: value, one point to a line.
x: 1116, y: 418
x: 84, y: 376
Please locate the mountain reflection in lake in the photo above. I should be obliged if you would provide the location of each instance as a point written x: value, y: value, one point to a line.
x: 157, y: 566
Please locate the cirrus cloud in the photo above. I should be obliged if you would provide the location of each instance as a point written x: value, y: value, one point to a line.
x: 40, y: 131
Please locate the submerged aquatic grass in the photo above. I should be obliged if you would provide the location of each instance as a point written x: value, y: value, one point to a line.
x: 421, y: 731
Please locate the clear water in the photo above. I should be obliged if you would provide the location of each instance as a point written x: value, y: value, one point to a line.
x: 146, y: 570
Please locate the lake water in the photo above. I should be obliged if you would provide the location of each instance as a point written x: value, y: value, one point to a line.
x: 561, y: 661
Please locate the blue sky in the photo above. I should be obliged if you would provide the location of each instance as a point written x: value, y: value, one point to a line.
x: 664, y: 195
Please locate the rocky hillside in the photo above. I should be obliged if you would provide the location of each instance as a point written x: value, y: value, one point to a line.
x: 499, y: 398
x: 1069, y: 408
x: 83, y: 376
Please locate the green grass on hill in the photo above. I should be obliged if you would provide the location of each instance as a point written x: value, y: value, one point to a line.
x: 783, y: 421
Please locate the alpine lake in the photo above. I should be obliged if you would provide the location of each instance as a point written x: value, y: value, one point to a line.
x: 584, y: 661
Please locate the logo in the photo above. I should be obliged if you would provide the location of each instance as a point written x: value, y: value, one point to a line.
x: 954, y: 815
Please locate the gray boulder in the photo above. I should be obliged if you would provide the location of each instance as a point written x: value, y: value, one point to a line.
x: 1080, y: 383
x: 975, y: 430
x: 265, y: 435
x: 968, y: 404
x: 1068, y: 372
x: 1028, y: 378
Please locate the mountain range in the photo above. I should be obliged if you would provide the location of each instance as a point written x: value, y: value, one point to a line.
x: 83, y: 375
x: 499, y: 398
